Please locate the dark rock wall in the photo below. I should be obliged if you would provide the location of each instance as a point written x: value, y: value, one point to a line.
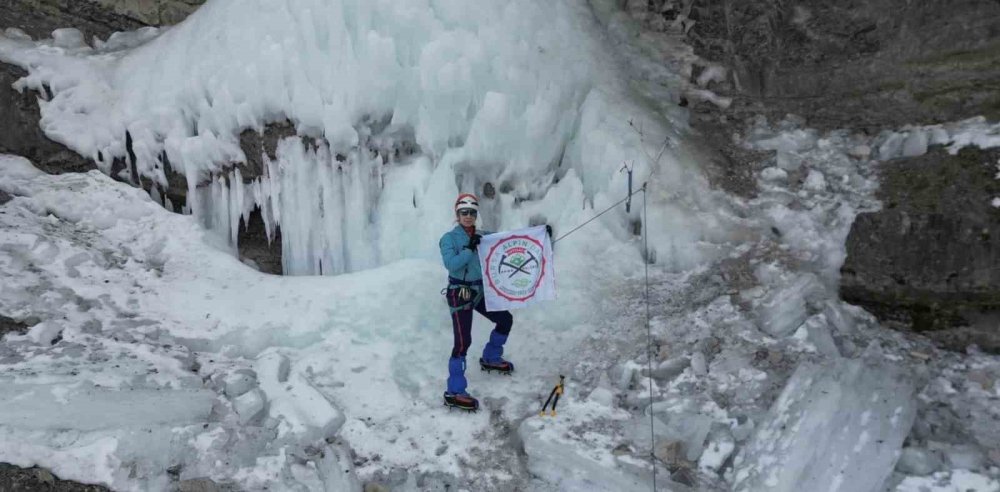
x: 931, y: 258
x: 16, y: 479
x: 10, y: 325
x: 254, y: 245
x: 855, y: 63
x: 20, y: 133
x: 256, y: 145
x: 94, y: 17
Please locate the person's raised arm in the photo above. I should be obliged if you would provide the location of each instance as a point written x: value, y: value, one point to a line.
x: 455, y: 256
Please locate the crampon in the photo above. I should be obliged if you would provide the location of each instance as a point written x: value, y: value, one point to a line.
x: 461, y: 401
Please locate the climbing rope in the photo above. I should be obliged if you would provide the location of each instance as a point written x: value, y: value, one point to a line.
x: 558, y: 390
x: 649, y: 334
x: 619, y: 202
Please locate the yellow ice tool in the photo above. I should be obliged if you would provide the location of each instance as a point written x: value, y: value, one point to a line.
x: 556, y: 392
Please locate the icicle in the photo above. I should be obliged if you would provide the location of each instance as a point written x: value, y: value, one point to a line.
x: 272, y: 191
x: 335, y: 214
x: 358, y: 206
x: 154, y: 193
x: 298, y: 206
x: 332, y: 251
x: 221, y: 205
x: 235, y: 206
x: 263, y: 200
x: 324, y: 206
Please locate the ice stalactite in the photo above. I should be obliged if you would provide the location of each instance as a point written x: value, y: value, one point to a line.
x: 326, y: 208
x: 322, y: 202
x: 524, y: 95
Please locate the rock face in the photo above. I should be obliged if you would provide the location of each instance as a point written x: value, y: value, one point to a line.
x: 19, y: 130
x: 255, y: 247
x: 94, y: 17
x: 930, y: 258
x: 256, y: 145
x: 854, y: 63
x: 8, y: 325
x: 13, y: 478
x: 927, y: 260
x: 152, y: 12
x: 21, y: 135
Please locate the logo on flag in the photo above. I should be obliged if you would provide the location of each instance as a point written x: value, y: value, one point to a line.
x: 517, y: 267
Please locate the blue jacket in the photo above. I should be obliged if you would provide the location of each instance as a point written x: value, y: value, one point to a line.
x: 462, y: 263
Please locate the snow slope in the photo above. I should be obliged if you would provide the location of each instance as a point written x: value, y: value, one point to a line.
x: 216, y: 370
x: 138, y: 303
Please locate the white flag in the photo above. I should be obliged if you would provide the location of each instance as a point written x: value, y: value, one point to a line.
x: 517, y: 268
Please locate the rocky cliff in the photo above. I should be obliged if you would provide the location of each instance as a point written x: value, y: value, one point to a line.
x: 854, y: 64
x: 927, y: 260
x: 20, y: 133
x: 94, y: 17
x: 930, y: 259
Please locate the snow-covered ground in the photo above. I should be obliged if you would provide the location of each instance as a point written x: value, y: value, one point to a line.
x: 156, y: 356
x: 158, y: 349
x: 160, y: 356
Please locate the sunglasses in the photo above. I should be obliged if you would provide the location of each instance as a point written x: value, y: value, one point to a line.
x: 468, y: 213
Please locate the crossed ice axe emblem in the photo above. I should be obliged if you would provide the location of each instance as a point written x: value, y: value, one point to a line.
x: 518, y: 268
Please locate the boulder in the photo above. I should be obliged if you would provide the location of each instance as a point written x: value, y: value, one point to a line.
x: 927, y: 260
x: 14, y: 478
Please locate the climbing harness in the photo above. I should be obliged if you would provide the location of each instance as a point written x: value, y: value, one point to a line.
x: 470, y: 293
x: 556, y: 392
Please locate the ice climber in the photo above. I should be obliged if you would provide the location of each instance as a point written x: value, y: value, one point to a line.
x: 465, y: 294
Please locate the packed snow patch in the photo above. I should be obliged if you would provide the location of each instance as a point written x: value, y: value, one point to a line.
x: 913, y: 141
x: 954, y: 481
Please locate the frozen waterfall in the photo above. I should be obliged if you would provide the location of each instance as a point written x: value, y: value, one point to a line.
x: 520, y: 95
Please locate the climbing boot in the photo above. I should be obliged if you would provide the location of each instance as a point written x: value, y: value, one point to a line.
x: 461, y: 401
x: 500, y: 365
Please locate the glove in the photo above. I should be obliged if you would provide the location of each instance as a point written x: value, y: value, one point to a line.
x: 474, y: 242
x: 548, y: 230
